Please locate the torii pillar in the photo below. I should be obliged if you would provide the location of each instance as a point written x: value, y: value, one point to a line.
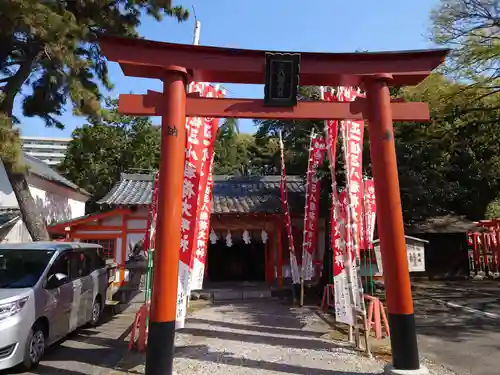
x: 173, y: 63
x: 161, y: 336
x: 391, y: 228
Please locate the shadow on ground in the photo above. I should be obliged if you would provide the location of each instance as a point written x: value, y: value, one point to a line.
x: 204, y: 354
x: 264, y: 328
x: 98, y: 351
x: 282, y: 319
x: 278, y: 324
x: 282, y: 315
x: 438, y: 320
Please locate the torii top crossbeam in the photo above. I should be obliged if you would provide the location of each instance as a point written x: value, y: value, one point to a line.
x: 148, y: 59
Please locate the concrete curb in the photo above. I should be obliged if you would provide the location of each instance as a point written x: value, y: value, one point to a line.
x: 389, y: 370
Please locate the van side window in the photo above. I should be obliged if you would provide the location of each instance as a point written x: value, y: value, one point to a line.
x: 81, y: 264
x: 100, y: 260
x: 97, y: 262
x: 61, y: 266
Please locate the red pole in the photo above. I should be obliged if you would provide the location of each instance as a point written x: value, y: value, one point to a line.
x: 272, y: 254
x: 160, y: 349
x: 476, y: 251
x: 390, y: 225
x: 497, y: 247
x: 279, y: 245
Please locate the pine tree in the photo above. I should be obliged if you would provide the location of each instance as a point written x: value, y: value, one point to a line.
x: 50, y: 47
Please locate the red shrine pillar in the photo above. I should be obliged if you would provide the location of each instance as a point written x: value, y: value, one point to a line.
x: 390, y: 227
x: 160, y: 349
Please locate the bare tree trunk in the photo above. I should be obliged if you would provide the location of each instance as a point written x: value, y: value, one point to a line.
x: 32, y: 217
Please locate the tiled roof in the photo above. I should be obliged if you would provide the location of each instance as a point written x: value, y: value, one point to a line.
x: 443, y: 224
x: 230, y: 194
x: 40, y: 169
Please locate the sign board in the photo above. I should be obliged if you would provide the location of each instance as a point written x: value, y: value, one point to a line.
x: 416, y: 257
x: 378, y: 256
x: 415, y: 251
x: 282, y: 79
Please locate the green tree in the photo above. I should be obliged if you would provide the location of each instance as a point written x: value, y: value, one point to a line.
x: 452, y: 164
x: 230, y: 152
x: 242, y: 154
x: 228, y: 129
x: 103, y: 149
x: 469, y: 111
x: 471, y: 29
x: 449, y: 165
x: 51, y: 48
x: 295, y: 134
x: 265, y: 157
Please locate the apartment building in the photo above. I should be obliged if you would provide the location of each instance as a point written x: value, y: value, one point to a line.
x: 49, y: 150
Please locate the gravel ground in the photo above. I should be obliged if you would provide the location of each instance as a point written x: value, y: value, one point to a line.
x: 264, y: 338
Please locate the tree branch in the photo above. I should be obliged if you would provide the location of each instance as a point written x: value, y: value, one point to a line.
x: 14, y: 84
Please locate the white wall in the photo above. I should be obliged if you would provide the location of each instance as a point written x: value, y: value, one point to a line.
x: 56, y: 202
x: 7, y: 197
x: 17, y: 233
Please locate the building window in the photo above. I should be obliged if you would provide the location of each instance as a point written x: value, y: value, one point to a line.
x: 108, y: 247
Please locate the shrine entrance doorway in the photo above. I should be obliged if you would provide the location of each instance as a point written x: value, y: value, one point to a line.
x: 238, y: 263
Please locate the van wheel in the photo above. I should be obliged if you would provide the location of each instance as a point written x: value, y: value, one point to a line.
x: 35, y: 347
x: 96, y: 313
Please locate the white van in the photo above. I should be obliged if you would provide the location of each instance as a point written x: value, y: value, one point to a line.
x: 47, y: 290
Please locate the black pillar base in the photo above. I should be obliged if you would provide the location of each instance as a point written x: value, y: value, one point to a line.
x: 404, y: 342
x: 160, y: 348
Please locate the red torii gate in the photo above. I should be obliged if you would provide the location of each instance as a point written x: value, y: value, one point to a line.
x: 176, y: 64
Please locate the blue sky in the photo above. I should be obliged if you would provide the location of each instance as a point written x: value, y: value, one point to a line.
x: 275, y: 25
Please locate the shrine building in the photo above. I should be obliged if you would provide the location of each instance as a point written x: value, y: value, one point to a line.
x: 250, y: 241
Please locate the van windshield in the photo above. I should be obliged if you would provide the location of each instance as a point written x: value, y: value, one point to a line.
x: 22, y: 268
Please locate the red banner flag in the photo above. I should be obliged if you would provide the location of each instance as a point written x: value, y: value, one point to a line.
x: 294, y: 269
x: 343, y: 288
x: 199, y: 145
x: 352, y: 132
x: 370, y: 214
x: 354, y: 145
x: 311, y: 215
x: 149, y: 238
x: 200, y: 254
x: 198, y: 257
x: 343, y: 294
